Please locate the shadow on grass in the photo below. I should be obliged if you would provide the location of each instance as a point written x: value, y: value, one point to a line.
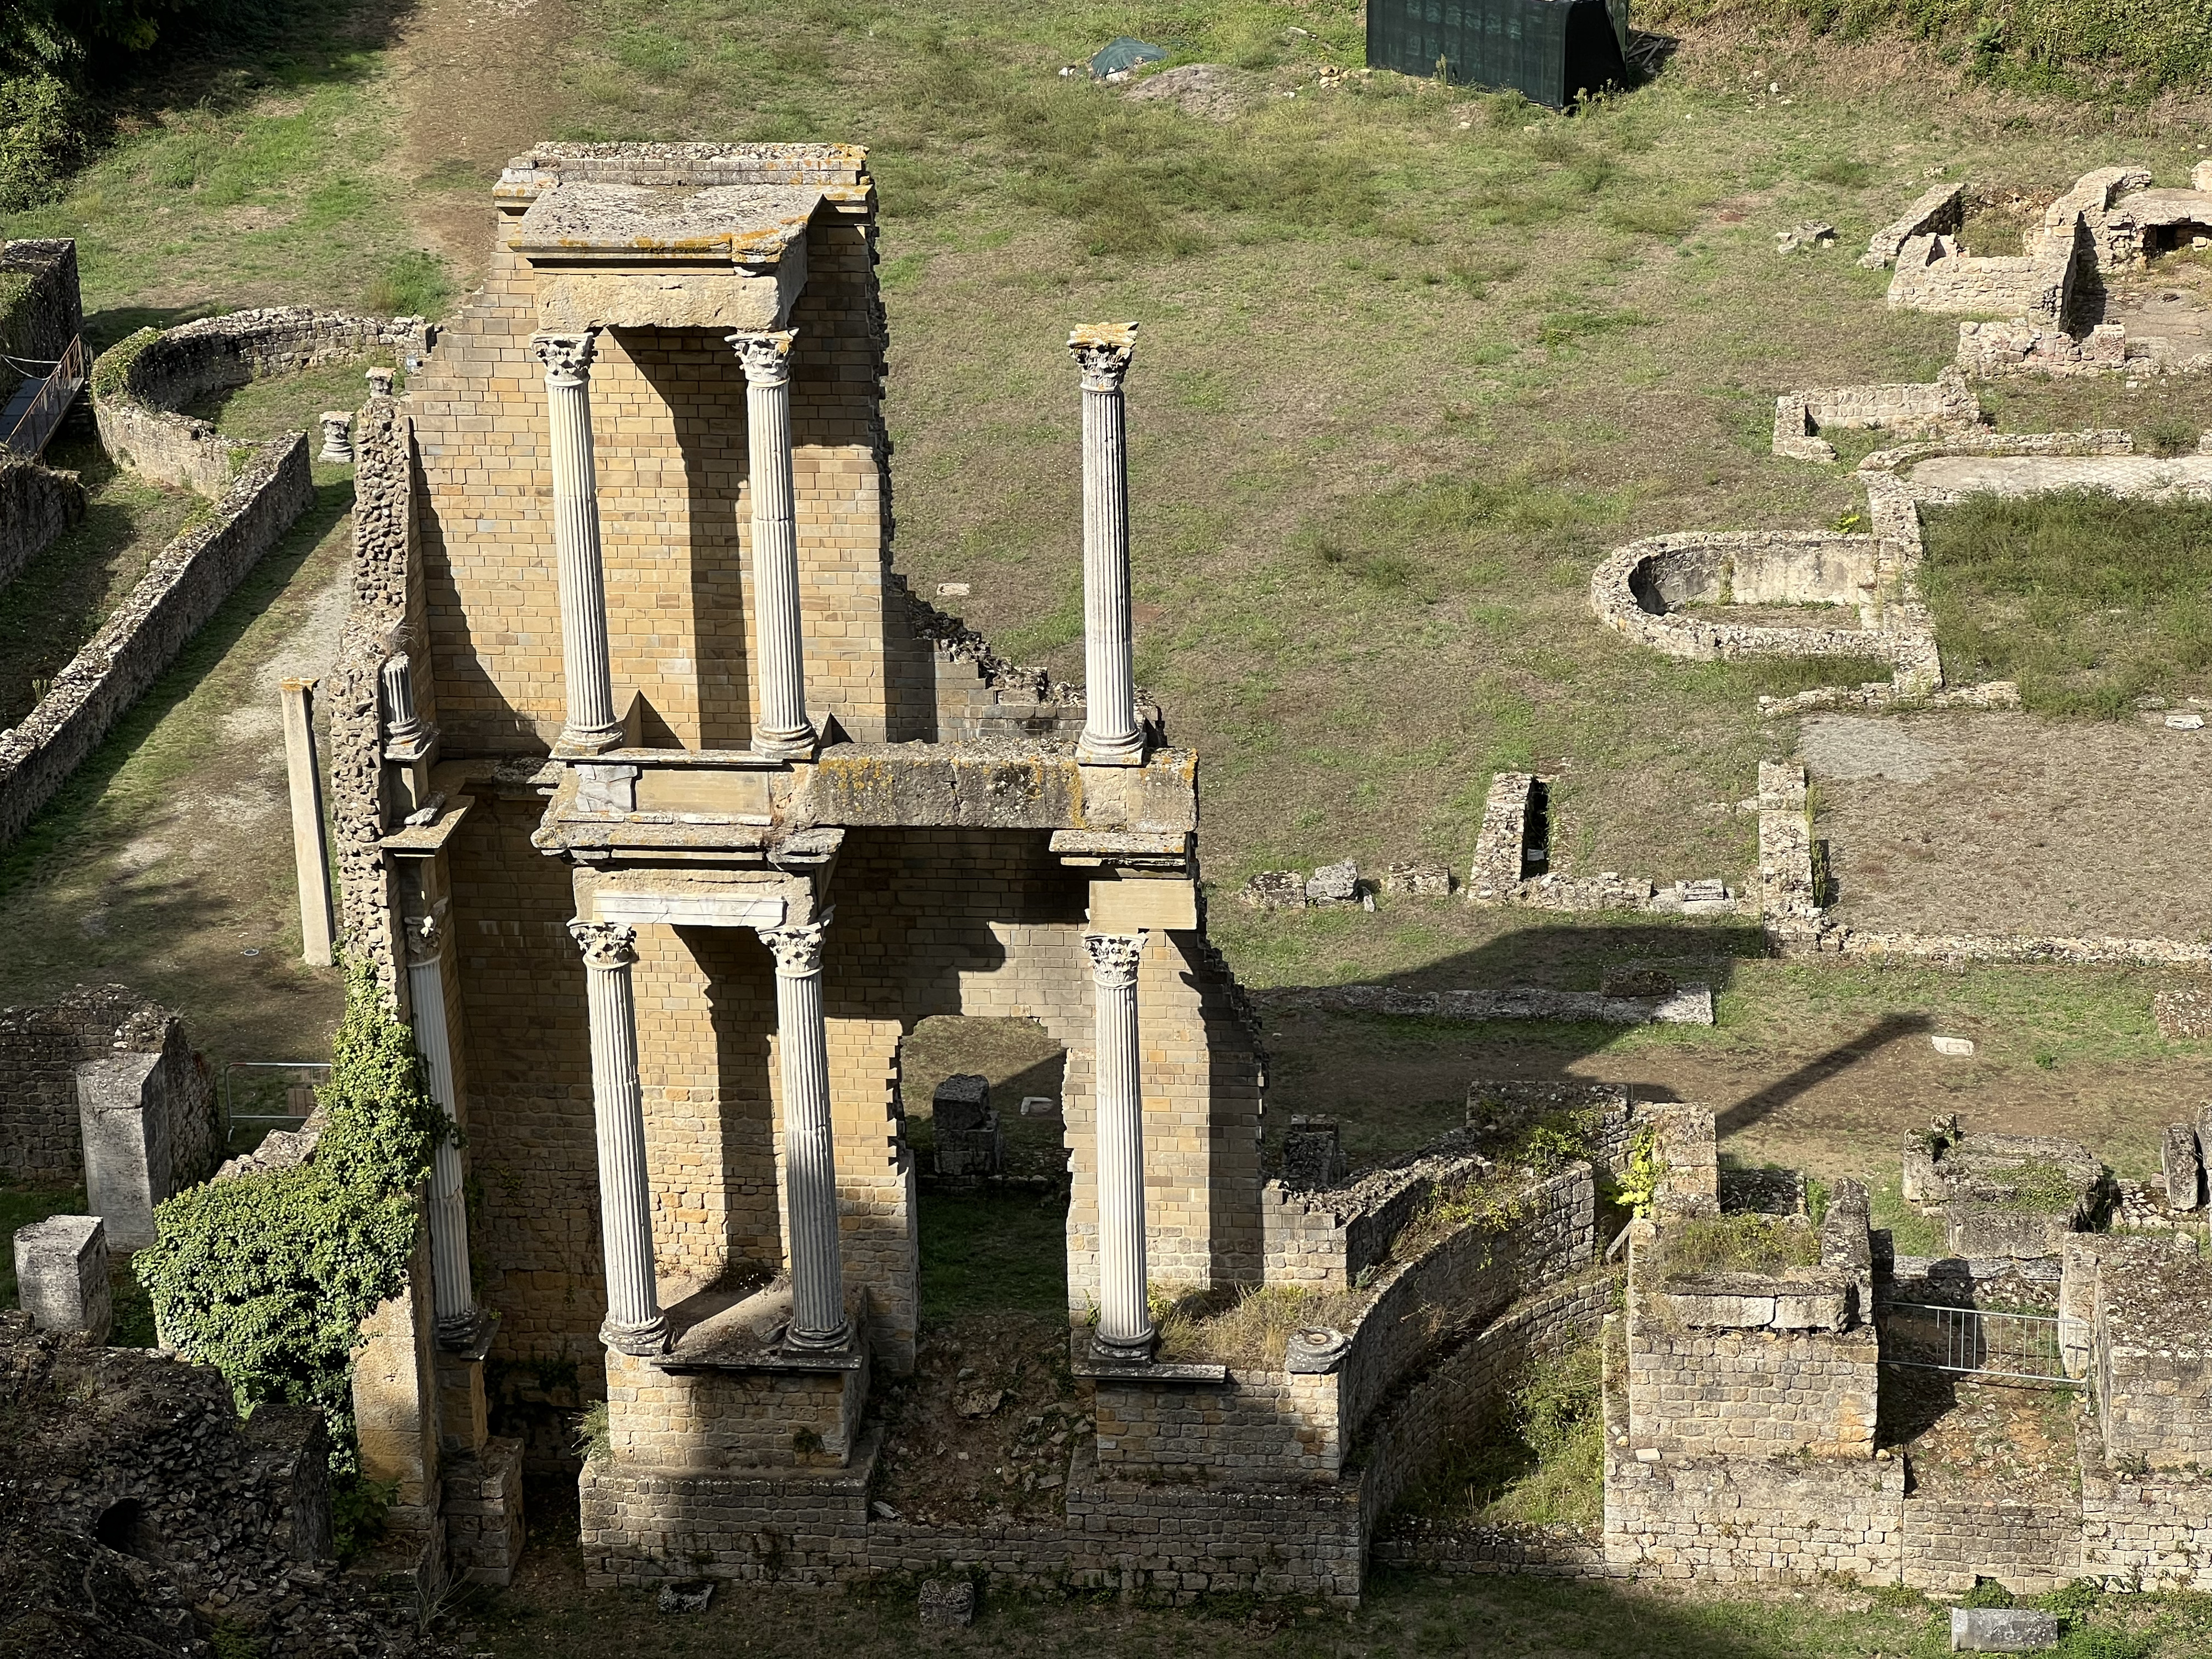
x: 90, y: 807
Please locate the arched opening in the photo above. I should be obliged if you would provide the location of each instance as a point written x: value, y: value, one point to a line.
x: 124, y: 1527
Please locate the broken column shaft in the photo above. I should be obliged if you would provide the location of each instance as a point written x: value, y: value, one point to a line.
x: 818, y: 1273
x: 1111, y: 735
x: 782, y: 729
x: 1125, y: 1320
x: 634, y: 1324
x: 590, y: 726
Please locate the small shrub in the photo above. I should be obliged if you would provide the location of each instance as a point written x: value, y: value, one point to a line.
x: 41, y: 138
x: 1745, y: 1244
x: 594, y: 1439
x: 2171, y: 435
x: 358, y: 1511
x: 1507, y: 110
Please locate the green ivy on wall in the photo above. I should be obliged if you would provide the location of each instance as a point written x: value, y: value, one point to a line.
x: 269, y: 1276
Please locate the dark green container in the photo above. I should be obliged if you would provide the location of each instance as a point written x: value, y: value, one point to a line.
x: 1549, y: 50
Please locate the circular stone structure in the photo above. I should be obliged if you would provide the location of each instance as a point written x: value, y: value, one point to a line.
x: 1642, y: 590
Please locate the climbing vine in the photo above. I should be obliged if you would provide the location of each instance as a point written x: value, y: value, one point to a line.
x: 269, y: 1276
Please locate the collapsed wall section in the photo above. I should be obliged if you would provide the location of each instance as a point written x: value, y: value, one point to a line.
x: 41, y: 1049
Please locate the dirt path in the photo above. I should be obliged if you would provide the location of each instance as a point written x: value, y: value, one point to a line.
x: 478, y: 83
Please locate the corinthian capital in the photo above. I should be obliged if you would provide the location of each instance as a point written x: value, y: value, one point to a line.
x: 426, y: 937
x: 567, y: 356
x: 798, y: 950
x: 764, y: 356
x: 1102, y: 351
x: 606, y: 944
x: 1114, y: 957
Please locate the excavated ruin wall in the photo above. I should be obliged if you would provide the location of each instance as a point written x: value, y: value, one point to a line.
x: 40, y: 1047
x: 36, y: 505
x: 185, y: 585
x: 41, y: 321
x: 1633, y: 592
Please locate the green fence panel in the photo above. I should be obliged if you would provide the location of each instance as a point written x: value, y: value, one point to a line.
x: 1548, y: 50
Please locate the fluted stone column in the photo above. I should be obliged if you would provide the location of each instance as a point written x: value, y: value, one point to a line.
x: 783, y: 729
x: 633, y: 1324
x: 453, y: 1295
x: 1110, y: 733
x: 810, y: 1164
x: 1125, y: 1320
x: 590, y: 726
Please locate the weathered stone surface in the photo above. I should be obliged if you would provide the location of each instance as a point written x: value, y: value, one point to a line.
x: 61, y: 1275
x: 1334, y: 883
x: 1420, y: 879
x: 2185, y: 1167
x: 127, y: 1165
x: 1275, y: 889
x: 948, y: 1601
x: 962, y: 1102
x: 2002, y: 1630
x: 1313, y: 1153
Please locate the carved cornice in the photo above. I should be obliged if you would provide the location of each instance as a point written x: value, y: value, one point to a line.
x: 764, y: 356
x: 1114, y: 957
x: 798, y: 950
x: 606, y: 944
x: 567, y: 357
x: 1102, y: 351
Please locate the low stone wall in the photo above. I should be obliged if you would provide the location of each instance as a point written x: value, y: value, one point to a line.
x: 139, y: 384
x: 1992, y: 350
x: 714, y: 1420
x: 1933, y: 274
x: 2029, y: 1545
x: 1326, y: 1238
x: 2148, y: 1527
x: 40, y: 1049
x: 1636, y: 592
x: 36, y: 505
x: 187, y: 583
x: 1939, y: 210
x: 1947, y: 404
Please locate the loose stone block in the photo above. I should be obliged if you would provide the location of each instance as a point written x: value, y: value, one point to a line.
x: 61, y: 1274
x: 1313, y: 1154
x: 961, y: 1102
x: 2002, y: 1630
x: 120, y: 1111
x: 2185, y: 1167
x: 1275, y: 889
x: 948, y: 1601
x: 1421, y: 879
x: 686, y: 1598
x: 1334, y: 884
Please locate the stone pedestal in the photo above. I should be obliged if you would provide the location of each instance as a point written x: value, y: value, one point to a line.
x: 122, y: 1113
x: 337, y: 443
x: 968, y: 1139
x: 61, y: 1274
x: 483, y: 1513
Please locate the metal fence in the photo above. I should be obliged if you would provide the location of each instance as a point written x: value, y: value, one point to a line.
x: 1979, y: 1342
x: 297, y: 1091
x: 28, y: 435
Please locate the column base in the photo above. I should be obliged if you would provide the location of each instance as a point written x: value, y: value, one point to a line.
x: 1110, y: 751
x: 575, y: 740
x: 799, y: 744
x: 1136, y: 1351
x: 799, y: 1341
x: 468, y: 1333
x: 639, y: 1341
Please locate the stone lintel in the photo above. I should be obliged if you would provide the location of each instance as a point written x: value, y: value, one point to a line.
x: 424, y: 841
x: 946, y: 787
x: 1168, y: 850
x: 698, y: 899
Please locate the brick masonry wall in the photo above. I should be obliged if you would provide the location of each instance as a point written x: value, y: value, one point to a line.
x: 670, y: 434
x: 2151, y: 1525
x: 187, y: 583
x: 1751, y: 1520
x: 1754, y: 1391
x: 39, y: 1050
x: 36, y: 505
x: 697, y: 1421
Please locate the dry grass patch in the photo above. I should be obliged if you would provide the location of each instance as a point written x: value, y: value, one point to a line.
x: 1248, y: 1327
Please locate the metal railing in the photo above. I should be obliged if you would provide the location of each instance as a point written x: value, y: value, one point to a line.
x: 36, y: 424
x: 1980, y: 1342
x: 299, y: 1098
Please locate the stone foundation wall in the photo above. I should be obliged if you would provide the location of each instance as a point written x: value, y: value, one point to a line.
x: 1173, y: 1541
x: 187, y: 583
x: 1991, y: 350
x: 40, y: 1047
x: 36, y: 505
x: 2030, y: 1545
x: 1328, y: 1236
x: 1636, y: 590
x: 1944, y: 405
x: 1933, y: 275
x: 704, y: 1420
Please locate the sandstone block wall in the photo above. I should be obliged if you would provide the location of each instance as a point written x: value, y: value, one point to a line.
x: 2152, y: 1352
x: 2029, y: 1544
x: 706, y: 1420
x: 40, y: 1049
x: 1744, y: 1519
x: 670, y: 434
x: 1933, y: 274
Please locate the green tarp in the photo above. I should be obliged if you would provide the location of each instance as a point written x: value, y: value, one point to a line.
x: 1118, y: 57
x: 1548, y: 50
